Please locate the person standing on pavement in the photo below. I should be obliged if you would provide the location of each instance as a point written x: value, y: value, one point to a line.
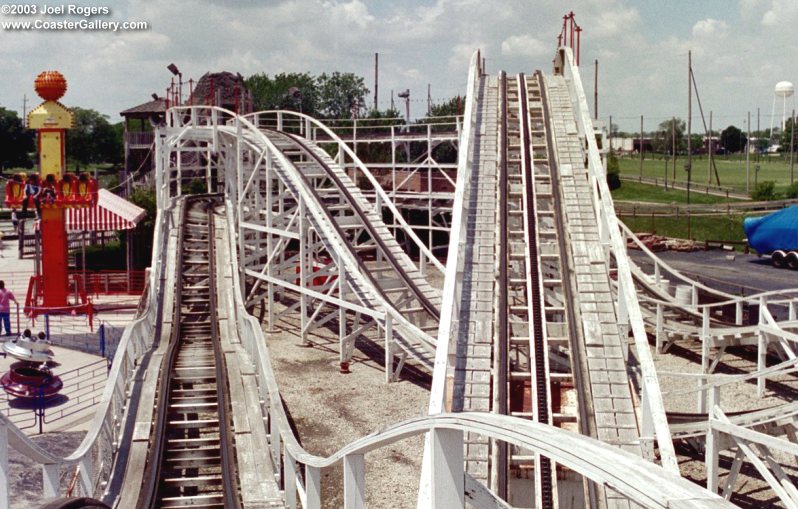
x: 5, y: 307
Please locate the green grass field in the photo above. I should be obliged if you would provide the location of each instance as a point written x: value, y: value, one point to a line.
x: 701, y: 228
x: 732, y: 170
x: 634, y: 191
x: 728, y: 228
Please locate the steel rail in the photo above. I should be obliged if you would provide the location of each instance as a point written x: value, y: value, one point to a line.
x: 151, y: 491
x: 579, y: 365
x: 341, y: 187
x: 502, y: 313
x: 539, y: 341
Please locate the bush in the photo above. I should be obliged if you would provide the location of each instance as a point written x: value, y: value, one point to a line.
x: 196, y: 186
x: 792, y: 192
x: 108, y: 257
x: 765, y: 191
x: 613, y: 171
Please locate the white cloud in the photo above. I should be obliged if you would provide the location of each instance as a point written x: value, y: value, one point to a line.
x: 709, y: 27
x: 524, y: 46
x: 641, y: 48
x: 781, y: 13
x: 615, y: 21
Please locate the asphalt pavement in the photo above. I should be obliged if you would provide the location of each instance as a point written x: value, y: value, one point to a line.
x: 728, y: 271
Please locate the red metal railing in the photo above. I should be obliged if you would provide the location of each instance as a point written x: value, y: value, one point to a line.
x: 83, y: 287
x: 569, y: 30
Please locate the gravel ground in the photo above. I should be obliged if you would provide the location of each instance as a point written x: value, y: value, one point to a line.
x: 330, y: 409
x: 26, y: 476
x: 729, y: 272
x: 750, y: 489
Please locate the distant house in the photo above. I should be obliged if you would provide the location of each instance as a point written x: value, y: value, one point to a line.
x: 223, y: 89
x: 621, y: 145
x: 630, y: 145
x: 139, y: 135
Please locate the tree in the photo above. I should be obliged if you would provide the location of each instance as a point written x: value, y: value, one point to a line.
x: 93, y: 139
x: 760, y: 139
x: 16, y: 142
x: 613, y: 171
x: 765, y: 191
x: 786, y: 136
x: 663, y: 137
x: 340, y: 93
x: 143, y: 234
x: 733, y: 139
x: 452, y: 107
x: 291, y: 91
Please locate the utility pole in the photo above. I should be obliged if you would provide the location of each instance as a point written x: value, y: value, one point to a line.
x: 757, y: 134
x: 709, y: 159
x: 25, y: 110
x: 748, y: 157
x: 689, y: 164
x: 429, y: 99
x: 376, y: 79
x: 641, y: 147
x: 595, y: 90
x: 393, y: 106
x: 673, y: 147
x: 792, y: 148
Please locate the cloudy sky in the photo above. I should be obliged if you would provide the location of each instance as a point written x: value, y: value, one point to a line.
x: 741, y: 48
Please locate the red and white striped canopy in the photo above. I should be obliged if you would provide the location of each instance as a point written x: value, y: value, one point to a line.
x: 110, y: 213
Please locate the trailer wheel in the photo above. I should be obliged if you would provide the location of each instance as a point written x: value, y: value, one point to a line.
x: 792, y: 260
x: 777, y: 258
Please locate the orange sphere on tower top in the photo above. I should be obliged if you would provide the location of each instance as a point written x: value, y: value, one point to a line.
x: 50, y: 85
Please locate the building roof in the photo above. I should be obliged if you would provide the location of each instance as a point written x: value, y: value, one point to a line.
x: 223, y: 89
x: 110, y: 213
x: 146, y: 109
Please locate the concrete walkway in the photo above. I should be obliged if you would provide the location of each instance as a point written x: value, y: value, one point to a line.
x: 83, y: 374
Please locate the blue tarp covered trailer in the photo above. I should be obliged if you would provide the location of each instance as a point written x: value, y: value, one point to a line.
x: 774, y: 232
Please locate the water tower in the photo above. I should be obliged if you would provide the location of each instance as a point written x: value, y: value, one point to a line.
x: 784, y: 89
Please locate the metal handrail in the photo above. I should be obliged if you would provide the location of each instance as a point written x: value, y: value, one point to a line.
x: 449, y: 305
x: 610, y: 234
x: 105, y: 429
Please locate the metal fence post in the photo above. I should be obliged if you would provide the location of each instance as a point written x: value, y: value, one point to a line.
x: 39, y: 410
x: 102, y: 339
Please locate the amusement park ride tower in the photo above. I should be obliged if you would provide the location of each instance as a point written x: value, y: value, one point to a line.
x: 51, y: 119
